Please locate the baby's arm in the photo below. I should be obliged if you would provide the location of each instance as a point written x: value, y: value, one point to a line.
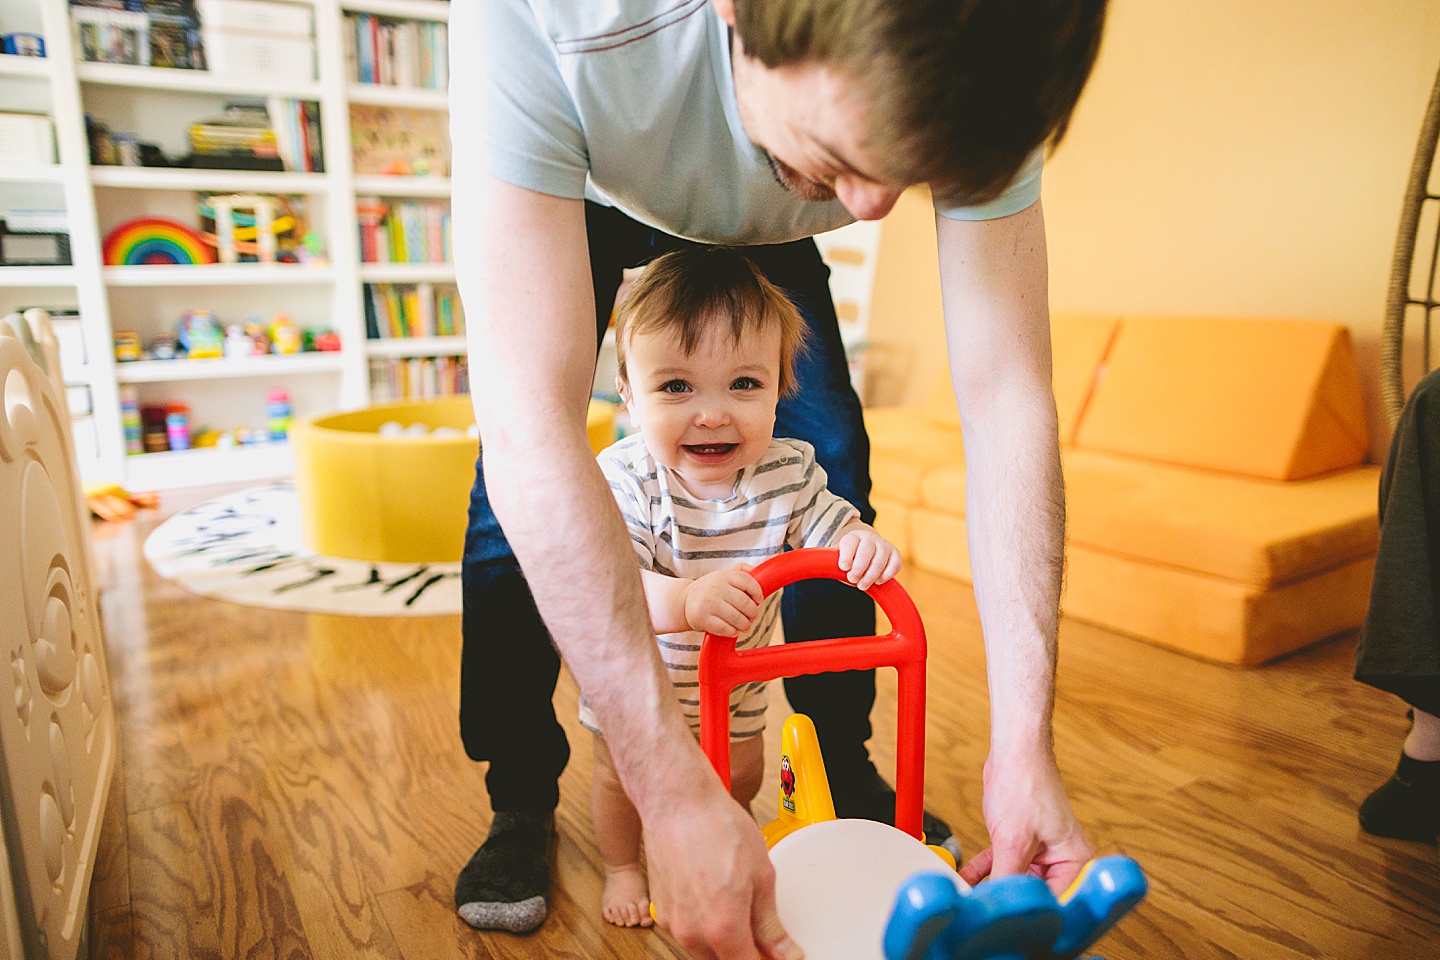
x: 725, y: 602
x: 867, y: 557
x: 831, y: 521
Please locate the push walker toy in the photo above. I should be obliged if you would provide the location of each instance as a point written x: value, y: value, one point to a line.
x: 860, y: 890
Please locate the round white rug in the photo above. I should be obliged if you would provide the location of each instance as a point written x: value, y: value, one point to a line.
x: 245, y: 548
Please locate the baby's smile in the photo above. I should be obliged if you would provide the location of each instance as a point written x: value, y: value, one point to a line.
x: 710, y: 451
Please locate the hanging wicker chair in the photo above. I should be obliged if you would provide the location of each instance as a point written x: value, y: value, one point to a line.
x: 1408, y: 297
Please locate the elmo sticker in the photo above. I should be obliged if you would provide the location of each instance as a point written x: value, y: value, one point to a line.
x: 787, y: 783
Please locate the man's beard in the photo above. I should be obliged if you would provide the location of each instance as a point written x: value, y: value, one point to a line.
x: 802, y: 187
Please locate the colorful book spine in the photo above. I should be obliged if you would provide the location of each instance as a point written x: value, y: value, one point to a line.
x: 400, y: 53
x: 400, y: 311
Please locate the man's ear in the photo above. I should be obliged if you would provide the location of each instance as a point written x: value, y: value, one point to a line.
x: 726, y: 9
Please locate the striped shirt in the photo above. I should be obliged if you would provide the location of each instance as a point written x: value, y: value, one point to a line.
x: 779, y: 503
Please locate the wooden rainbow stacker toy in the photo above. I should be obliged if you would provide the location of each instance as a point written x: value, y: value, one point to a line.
x: 860, y: 890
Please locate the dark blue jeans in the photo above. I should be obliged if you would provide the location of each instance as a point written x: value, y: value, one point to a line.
x: 509, y: 665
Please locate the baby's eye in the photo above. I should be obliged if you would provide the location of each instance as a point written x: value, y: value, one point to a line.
x: 745, y: 383
x: 674, y: 386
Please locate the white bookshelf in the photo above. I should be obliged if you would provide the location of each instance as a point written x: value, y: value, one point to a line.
x: 158, y: 104
x: 37, y: 277
x: 414, y: 98
x: 193, y: 81
x: 175, y: 371
x: 33, y: 173
x: 407, y: 272
x: 394, y: 186
x: 214, y: 181
x: 12, y: 66
x: 416, y: 347
x: 401, y: 9
x: 217, y: 274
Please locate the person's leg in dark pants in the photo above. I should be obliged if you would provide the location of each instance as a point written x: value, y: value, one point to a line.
x: 825, y: 412
x: 508, y: 670
x: 1399, y: 649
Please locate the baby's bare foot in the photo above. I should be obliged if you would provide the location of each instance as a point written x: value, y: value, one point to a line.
x: 626, y: 900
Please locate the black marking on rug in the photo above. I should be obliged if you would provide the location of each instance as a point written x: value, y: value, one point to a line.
x: 429, y: 582
x: 320, y: 574
x: 394, y: 585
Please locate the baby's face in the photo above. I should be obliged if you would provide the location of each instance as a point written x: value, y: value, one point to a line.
x: 708, y: 415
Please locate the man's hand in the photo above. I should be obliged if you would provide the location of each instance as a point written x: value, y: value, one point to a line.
x: 1032, y: 827
x: 711, y: 882
x: 868, y: 558
x: 725, y: 602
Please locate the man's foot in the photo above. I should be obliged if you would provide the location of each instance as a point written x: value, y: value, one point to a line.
x: 1407, y: 806
x: 506, y: 884
x: 869, y: 797
x: 626, y: 900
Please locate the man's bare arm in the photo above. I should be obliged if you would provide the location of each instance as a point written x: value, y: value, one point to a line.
x: 532, y: 347
x: 994, y: 285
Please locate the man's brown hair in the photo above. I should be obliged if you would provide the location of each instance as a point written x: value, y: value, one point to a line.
x: 692, y: 292
x: 961, y: 91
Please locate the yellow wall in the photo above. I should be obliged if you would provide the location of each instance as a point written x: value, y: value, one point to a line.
x: 1228, y: 157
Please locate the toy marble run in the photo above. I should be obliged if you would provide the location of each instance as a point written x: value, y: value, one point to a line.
x: 859, y: 890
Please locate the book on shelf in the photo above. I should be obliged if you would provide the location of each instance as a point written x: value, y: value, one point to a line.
x: 398, y: 378
x: 395, y: 311
x: 403, y: 232
x: 404, y: 53
x: 297, y: 132
x: 276, y: 134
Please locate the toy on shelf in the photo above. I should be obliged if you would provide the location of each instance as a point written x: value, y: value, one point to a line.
x: 155, y: 240
x: 127, y: 346
x: 201, y: 335
x: 22, y: 44
x: 237, y: 345
x: 152, y: 429
x: 278, y: 414
x: 163, y: 347
x: 177, y: 425
x: 311, y: 250
x: 250, y: 226
x: 259, y: 339
x: 130, y: 420
x: 326, y: 341
x: 285, y: 335
x: 863, y: 890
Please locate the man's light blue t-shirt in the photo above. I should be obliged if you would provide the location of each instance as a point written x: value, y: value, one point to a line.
x: 631, y: 103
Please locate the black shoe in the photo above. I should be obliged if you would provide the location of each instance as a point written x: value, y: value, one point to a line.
x: 1407, y: 806
x: 506, y: 884
x: 868, y: 797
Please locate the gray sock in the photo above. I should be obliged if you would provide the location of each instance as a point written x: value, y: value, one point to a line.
x: 506, y: 884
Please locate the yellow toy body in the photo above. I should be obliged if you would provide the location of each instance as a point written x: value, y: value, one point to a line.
x: 805, y: 797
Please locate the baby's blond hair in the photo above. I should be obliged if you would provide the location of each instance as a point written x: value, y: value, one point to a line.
x: 686, y: 292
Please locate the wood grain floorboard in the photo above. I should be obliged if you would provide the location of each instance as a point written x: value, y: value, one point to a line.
x: 293, y: 786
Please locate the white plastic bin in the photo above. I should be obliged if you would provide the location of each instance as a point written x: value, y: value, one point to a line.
x: 256, y: 16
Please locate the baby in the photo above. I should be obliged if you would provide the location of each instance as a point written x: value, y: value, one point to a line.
x: 706, y: 348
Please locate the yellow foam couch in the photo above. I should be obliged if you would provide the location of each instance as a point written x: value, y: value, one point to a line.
x: 1216, y: 494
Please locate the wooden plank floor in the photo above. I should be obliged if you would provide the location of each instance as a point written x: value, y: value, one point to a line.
x: 293, y: 786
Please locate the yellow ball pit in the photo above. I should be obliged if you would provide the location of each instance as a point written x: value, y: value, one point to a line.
x: 395, y: 499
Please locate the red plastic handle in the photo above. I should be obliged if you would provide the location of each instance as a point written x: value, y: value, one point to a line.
x: 722, y: 668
